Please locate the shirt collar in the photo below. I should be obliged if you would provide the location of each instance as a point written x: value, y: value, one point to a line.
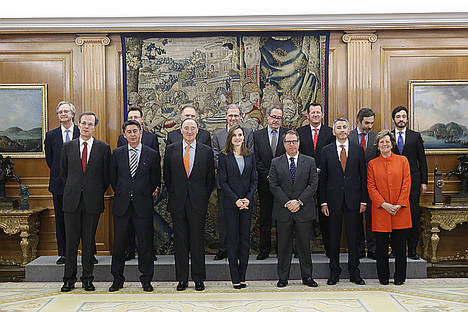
x: 270, y: 130
x: 138, y: 147
x: 403, y: 131
x: 359, y: 132
x: 346, y: 144
x: 319, y: 126
x: 89, y: 142
x: 193, y: 145
x: 295, y: 157
x: 65, y: 129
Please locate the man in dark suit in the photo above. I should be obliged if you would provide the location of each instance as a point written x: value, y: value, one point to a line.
x: 84, y: 167
x: 314, y: 137
x: 293, y: 182
x: 203, y: 136
x: 135, y: 173
x: 267, y: 145
x: 343, y: 194
x: 233, y: 118
x: 364, y: 136
x: 410, y: 144
x: 53, y: 143
x: 151, y: 140
x: 189, y: 177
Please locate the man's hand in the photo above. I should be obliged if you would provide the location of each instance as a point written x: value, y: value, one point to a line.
x: 325, y: 210
x: 362, y: 208
x: 423, y: 188
x: 156, y: 191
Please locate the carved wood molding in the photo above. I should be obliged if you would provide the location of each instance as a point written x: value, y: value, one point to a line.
x: 359, y: 70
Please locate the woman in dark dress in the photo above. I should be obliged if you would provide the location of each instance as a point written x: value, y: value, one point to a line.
x: 238, y: 179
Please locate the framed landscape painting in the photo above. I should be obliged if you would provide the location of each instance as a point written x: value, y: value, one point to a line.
x: 23, y: 120
x: 438, y: 109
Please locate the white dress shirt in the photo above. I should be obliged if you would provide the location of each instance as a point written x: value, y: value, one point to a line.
x: 88, y: 148
x: 64, y: 132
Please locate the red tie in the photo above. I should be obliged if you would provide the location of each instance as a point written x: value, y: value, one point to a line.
x: 315, y: 138
x: 363, y: 141
x: 84, y: 156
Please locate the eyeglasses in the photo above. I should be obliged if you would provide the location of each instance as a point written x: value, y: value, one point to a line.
x: 89, y: 124
x: 276, y: 117
x: 291, y: 141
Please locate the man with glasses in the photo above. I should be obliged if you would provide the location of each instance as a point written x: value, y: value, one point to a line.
x: 53, y: 143
x: 233, y: 118
x: 267, y: 145
x: 293, y: 182
x: 84, y: 168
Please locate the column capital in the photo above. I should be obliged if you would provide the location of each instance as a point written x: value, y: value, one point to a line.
x: 359, y: 36
x: 101, y: 39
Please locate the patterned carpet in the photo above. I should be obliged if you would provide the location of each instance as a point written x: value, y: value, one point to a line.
x: 416, y: 295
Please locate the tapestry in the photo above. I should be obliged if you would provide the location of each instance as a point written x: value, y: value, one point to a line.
x: 164, y: 72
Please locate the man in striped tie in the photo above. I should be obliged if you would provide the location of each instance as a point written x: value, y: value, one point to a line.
x: 135, y: 174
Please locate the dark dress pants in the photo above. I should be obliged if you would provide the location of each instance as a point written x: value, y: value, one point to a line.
x: 413, y: 233
x: 351, y: 220
x: 397, y: 238
x: 238, y: 241
x: 303, y: 233
x: 189, y: 231
x: 59, y: 224
x: 222, y: 239
x: 80, y: 225
x: 131, y: 242
x: 266, y: 206
x: 144, y: 234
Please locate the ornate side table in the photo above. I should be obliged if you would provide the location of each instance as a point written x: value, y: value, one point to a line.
x: 26, y: 224
x: 433, y: 218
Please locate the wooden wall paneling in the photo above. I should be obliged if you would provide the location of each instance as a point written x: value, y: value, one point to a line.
x: 337, y: 78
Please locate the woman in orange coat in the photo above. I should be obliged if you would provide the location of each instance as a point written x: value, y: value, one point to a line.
x: 389, y: 184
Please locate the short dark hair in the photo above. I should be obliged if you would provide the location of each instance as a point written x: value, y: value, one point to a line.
x: 270, y: 108
x: 397, y: 109
x: 188, y: 106
x: 131, y: 122
x: 136, y: 109
x: 96, y: 120
x: 313, y: 104
x: 365, y: 112
x: 292, y: 132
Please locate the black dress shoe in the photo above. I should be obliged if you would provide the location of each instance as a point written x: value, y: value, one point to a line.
x: 362, y: 254
x: 67, y: 286
x: 262, y: 256
x: 371, y: 255
x: 332, y: 281
x: 391, y: 255
x: 61, y: 260
x: 129, y: 256
x: 236, y: 286
x: 155, y: 258
x: 88, y: 286
x: 398, y: 283
x: 384, y: 282
x: 95, y: 260
x: 243, y: 285
x: 282, y: 283
x: 199, y: 286
x: 220, y: 255
x: 147, y: 286
x: 309, y: 281
x: 413, y: 256
x: 116, y: 286
x: 359, y: 281
x: 182, y: 286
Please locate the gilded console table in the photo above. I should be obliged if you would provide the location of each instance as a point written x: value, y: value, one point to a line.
x: 26, y: 224
x: 435, y: 217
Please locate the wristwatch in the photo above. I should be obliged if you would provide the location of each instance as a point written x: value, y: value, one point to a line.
x: 300, y: 202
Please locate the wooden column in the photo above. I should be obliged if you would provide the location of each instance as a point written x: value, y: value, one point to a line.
x: 359, y: 71
x: 94, y: 78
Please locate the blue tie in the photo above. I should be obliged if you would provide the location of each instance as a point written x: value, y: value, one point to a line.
x: 292, y: 168
x: 67, y: 135
x: 400, y: 142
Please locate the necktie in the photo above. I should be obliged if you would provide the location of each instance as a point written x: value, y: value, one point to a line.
x: 343, y: 157
x: 274, y: 140
x: 363, y: 141
x: 133, y: 162
x: 67, y: 135
x: 292, y: 168
x: 315, y: 138
x: 187, y: 160
x: 400, y: 142
x: 84, y: 156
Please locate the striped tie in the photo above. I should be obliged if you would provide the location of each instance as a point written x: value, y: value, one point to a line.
x: 133, y: 162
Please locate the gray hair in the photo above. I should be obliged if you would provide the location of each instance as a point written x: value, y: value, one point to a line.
x: 188, y: 119
x: 382, y: 134
x: 340, y: 119
x: 72, y: 107
x: 270, y: 108
x: 234, y: 106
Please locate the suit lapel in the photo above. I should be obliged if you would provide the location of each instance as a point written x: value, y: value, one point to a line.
x: 179, y: 158
x: 300, y: 166
x: 93, y: 155
x: 142, y: 160
x: 285, y: 168
x: 76, y: 132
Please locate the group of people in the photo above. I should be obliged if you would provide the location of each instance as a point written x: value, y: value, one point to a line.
x: 315, y: 175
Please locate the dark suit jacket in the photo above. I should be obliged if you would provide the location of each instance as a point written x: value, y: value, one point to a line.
x: 413, y: 150
x: 303, y: 188
x: 263, y: 155
x: 148, y: 138
x: 53, y: 149
x: 139, y: 188
x: 336, y: 186
x: 92, y: 183
x: 325, y: 137
x: 235, y: 185
x: 197, y: 187
x: 371, y: 151
x: 175, y: 136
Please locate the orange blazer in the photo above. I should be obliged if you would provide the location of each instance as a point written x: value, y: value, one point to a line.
x: 389, y: 180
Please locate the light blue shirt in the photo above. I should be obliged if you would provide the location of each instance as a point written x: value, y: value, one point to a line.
x: 270, y: 132
x: 240, y: 163
x: 359, y: 133
x: 192, y: 149
x: 138, y: 152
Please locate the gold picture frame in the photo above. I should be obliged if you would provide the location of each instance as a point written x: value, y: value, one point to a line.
x: 23, y: 120
x: 438, y: 109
